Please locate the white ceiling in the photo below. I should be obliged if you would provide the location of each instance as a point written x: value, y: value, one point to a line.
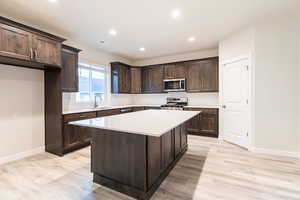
x: 144, y: 23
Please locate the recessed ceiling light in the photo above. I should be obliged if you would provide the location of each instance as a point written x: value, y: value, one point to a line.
x: 113, y: 32
x: 52, y: 1
x: 191, y: 39
x: 175, y: 14
x: 142, y: 49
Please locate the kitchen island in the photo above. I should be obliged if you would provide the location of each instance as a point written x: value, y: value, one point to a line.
x: 134, y: 152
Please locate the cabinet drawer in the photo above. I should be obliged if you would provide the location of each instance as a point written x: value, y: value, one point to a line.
x: 204, y: 110
x: 104, y: 113
x: 79, y: 116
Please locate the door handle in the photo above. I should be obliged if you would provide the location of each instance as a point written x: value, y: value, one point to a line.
x: 224, y: 106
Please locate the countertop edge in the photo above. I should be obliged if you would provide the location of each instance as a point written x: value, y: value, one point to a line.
x: 131, y: 106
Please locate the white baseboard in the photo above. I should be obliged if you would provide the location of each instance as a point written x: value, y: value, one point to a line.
x: 276, y: 152
x: 18, y: 156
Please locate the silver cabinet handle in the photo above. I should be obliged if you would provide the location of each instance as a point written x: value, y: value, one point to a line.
x: 36, y: 54
x: 126, y: 110
x: 31, y: 54
x: 224, y: 106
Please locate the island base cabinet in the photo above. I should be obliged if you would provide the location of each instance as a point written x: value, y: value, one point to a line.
x: 135, y: 164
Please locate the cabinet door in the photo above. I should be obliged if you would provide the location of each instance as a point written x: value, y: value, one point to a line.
x: 136, y: 80
x: 15, y: 43
x: 177, y: 140
x: 120, y: 78
x: 85, y: 135
x: 47, y: 51
x: 72, y: 136
x: 184, y: 133
x: 153, y: 79
x: 193, y: 77
x: 125, y: 79
x: 209, y: 75
x: 193, y: 125
x: 203, y: 76
x: 167, y: 150
x: 146, y: 83
x: 209, y: 124
x: 69, y: 70
x: 174, y: 71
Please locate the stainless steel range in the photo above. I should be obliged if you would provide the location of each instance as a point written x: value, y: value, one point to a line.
x: 175, y: 103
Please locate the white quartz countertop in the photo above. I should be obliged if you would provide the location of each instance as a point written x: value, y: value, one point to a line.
x: 105, y: 108
x: 146, y: 122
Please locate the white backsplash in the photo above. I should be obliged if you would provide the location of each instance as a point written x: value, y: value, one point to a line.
x: 208, y: 99
x: 195, y: 99
x: 70, y: 103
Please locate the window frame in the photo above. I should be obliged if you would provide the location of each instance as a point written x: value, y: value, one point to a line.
x: 91, y: 67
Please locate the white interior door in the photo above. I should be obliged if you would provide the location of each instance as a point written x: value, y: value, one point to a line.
x: 235, y: 102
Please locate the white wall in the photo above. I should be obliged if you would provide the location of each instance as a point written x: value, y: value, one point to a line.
x: 276, y: 84
x: 238, y: 44
x: 274, y: 57
x: 179, y: 57
x: 22, y: 111
x: 298, y: 100
x: 195, y: 99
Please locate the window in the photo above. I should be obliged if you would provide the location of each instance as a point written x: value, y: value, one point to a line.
x: 92, y: 82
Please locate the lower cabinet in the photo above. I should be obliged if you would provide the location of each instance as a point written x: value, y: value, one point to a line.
x: 206, y: 124
x: 167, y: 150
x: 134, y: 109
x: 164, y: 150
x: 75, y: 137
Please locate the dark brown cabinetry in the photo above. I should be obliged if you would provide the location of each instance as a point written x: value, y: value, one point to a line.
x: 206, y: 124
x: 200, y: 75
x: 75, y: 137
x: 22, y: 45
x: 46, y: 51
x: 69, y: 69
x: 175, y: 71
x: 131, y: 163
x: 136, y: 80
x: 120, y: 78
x: 167, y: 150
x: 203, y: 76
x: 104, y: 113
x: 134, y: 109
x: 152, y: 79
x: 15, y: 43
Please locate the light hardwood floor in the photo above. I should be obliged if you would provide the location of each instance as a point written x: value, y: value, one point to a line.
x: 211, y: 169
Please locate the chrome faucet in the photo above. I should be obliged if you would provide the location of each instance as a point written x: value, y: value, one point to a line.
x: 95, y: 102
x: 96, y: 105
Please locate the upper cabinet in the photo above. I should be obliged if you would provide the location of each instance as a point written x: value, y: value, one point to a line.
x: 15, y: 43
x: 120, y: 78
x: 136, y: 80
x: 152, y: 79
x: 69, y: 69
x: 46, y: 51
x: 175, y: 71
x: 203, y: 75
x: 22, y: 45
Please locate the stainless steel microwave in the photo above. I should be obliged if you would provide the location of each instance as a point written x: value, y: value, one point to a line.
x: 174, y: 85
